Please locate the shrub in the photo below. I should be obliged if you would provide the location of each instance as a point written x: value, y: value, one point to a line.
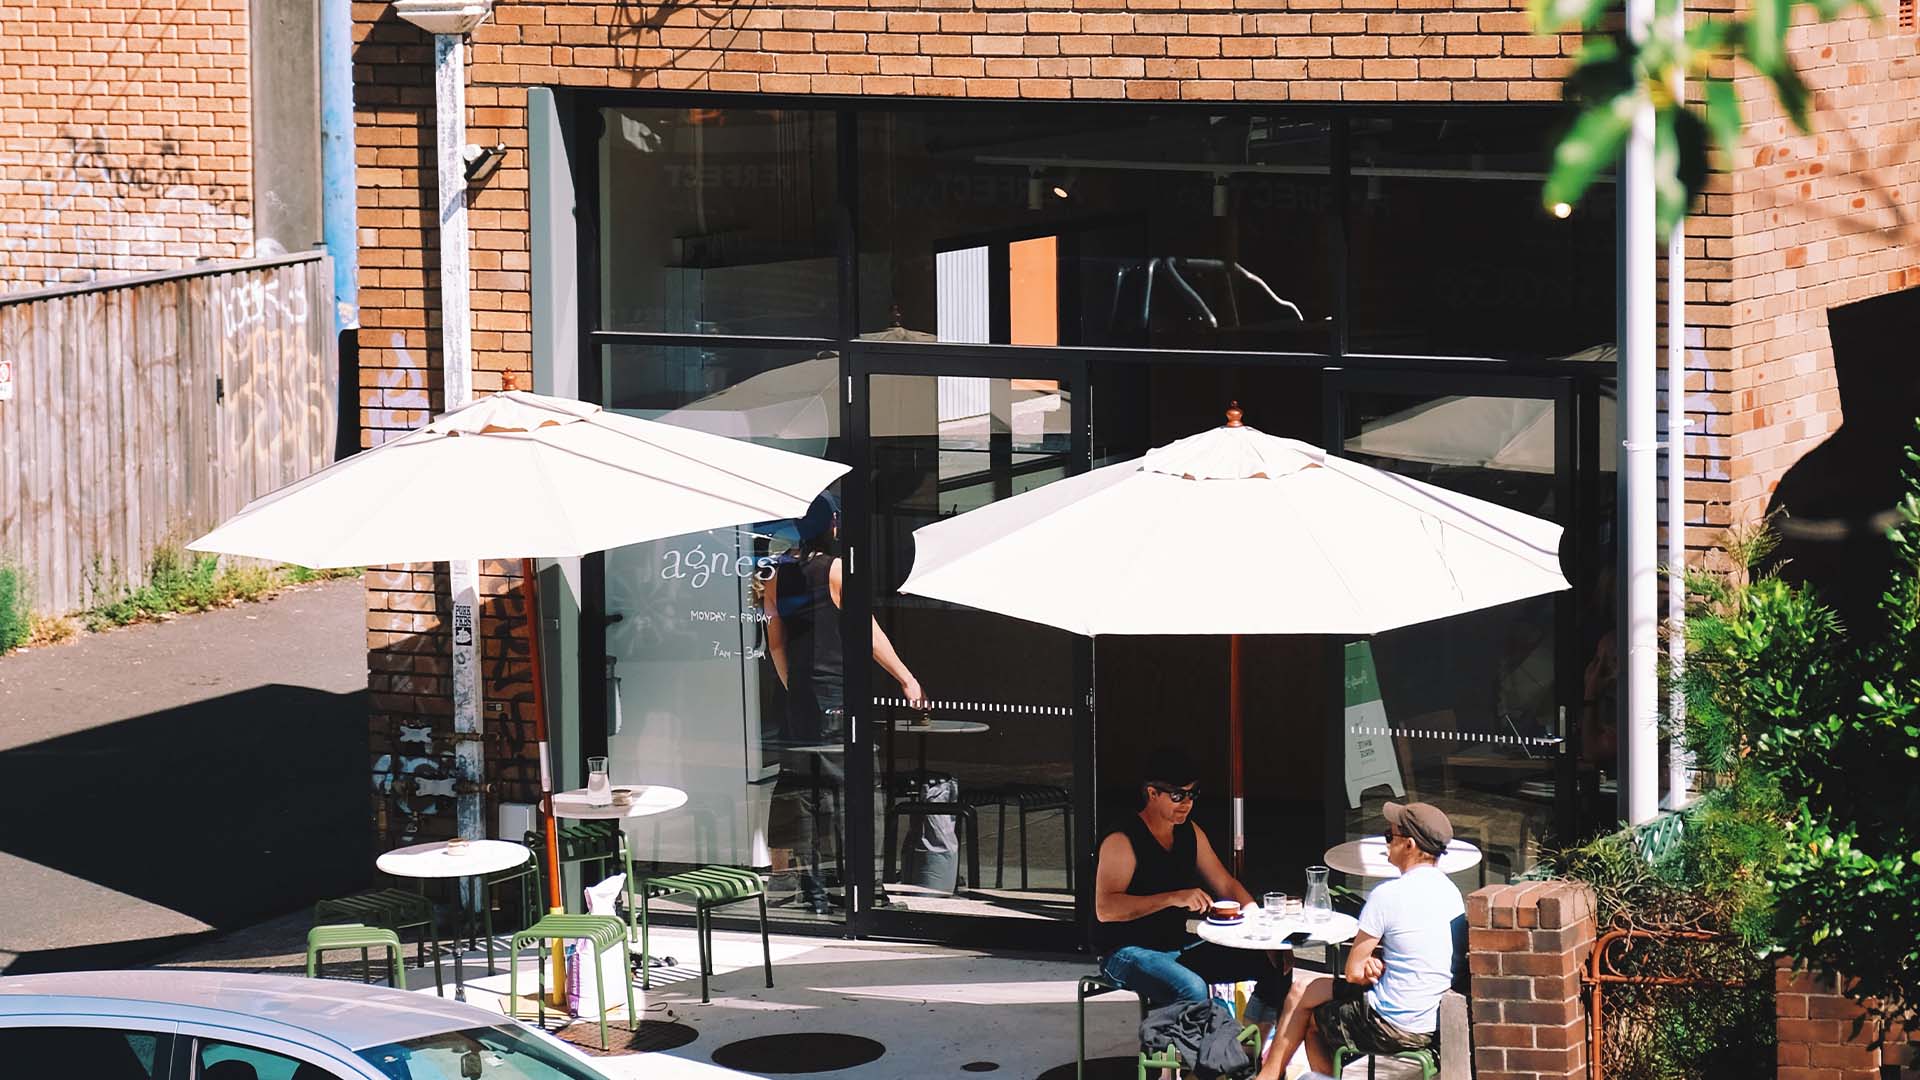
x: 1809, y: 739
x: 16, y: 623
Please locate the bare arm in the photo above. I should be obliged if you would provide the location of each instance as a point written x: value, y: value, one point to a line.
x: 1214, y: 873
x: 1112, y: 902
x: 883, y: 653
x: 1363, y: 967
x: 776, y: 630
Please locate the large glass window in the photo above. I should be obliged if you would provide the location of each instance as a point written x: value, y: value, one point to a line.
x: 718, y: 221
x: 722, y: 669
x: 1139, y: 228
x: 1451, y: 252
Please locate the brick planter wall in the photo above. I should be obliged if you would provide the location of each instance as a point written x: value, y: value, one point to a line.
x: 1527, y: 944
x: 1818, y: 1038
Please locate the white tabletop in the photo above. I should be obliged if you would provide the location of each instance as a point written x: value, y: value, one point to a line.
x: 1367, y: 857
x: 1334, y: 929
x: 434, y: 861
x: 648, y: 799
x: 942, y: 727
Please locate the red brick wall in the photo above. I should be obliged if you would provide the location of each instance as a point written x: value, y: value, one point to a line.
x: 1527, y: 944
x: 1818, y: 1040
x: 125, y: 137
x: 1801, y: 224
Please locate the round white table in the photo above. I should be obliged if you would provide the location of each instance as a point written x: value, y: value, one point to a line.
x: 889, y: 833
x: 648, y: 799
x: 435, y: 860
x: 1367, y: 857
x: 1334, y: 929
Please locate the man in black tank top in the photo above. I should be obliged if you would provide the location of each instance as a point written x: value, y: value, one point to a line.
x: 1155, y: 872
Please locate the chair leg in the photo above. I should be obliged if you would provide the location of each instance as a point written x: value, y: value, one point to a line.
x: 626, y: 960
x: 599, y: 988
x: 700, y: 935
x: 969, y: 820
x: 766, y: 945
x: 433, y: 933
x: 366, y: 968
x: 646, y: 955
x: 399, y: 978
x: 313, y: 963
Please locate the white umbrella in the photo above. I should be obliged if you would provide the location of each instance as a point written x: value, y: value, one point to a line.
x: 1234, y: 531
x: 1504, y: 433
x: 519, y: 475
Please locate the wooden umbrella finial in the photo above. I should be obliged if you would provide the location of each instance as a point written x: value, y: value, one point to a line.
x: 1233, y: 414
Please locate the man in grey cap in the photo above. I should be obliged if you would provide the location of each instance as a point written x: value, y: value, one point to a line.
x: 1412, y: 936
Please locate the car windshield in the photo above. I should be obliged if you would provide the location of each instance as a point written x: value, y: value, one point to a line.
x: 490, y: 1053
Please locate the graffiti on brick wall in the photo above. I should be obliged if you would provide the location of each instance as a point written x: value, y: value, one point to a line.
x: 508, y: 675
x: 149, y: 186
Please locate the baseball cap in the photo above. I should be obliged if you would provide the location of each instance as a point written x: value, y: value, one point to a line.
x: 1426, y: 823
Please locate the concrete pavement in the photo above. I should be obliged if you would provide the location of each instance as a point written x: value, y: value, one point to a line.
x: 161, y: 781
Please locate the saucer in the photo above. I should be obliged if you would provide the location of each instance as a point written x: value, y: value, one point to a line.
x: 1235, y: 921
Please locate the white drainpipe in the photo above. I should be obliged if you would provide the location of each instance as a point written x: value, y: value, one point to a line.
x: 1639, y: 481
x: 449, y: 21
x: 1678, y: 764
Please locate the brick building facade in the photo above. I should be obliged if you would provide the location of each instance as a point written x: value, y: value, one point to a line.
x: 125, y: 138
x: 1797, y: 225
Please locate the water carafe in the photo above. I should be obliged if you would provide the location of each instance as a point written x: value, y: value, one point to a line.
x: 1319, y: 902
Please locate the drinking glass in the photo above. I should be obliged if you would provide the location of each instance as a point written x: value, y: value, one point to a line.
x: 599, y: 786
x: 1273, y: 909
x: 1319, y: 903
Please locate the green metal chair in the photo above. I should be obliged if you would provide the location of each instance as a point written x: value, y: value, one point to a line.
x: 390, y: 909
x: 323, y: 939
x: 602, y: 843
x: 1428, y: 1060
x: 710, y: 887
x: 1094, y: 986
x: 1169, y: 1059
x: 600, y: 931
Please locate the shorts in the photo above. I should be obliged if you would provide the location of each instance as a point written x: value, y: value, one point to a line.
x: 1353, y: 1022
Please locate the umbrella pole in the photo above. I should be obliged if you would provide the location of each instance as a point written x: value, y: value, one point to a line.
x: 530, y: 592
x: 1237, y: 781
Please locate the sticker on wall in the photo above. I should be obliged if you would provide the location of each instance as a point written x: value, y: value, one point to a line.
x: 6, y: 379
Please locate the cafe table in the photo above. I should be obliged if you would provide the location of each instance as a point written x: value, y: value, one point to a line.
x: 437, y: 859
x: 1367, y: 857
x: 647, y: 800
x: 1333, y: 930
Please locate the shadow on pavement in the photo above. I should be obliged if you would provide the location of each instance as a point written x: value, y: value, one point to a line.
x: 227, y: 810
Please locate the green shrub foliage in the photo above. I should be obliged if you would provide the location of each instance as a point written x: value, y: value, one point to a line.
x: 15, y: 624
x: 1808, y: 737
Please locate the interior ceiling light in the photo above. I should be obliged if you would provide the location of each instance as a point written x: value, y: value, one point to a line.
x: 1562, y: 210
x: 1061, y: 191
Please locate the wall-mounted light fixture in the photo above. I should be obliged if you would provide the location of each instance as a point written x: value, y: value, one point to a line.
x: 1220, y: 195
x: 482, y: 161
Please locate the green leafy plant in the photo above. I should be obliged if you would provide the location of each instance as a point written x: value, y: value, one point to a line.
x: 179, y: 583
x: 1615, y: 77
x: 1808, y: 737
x: 16, y: 625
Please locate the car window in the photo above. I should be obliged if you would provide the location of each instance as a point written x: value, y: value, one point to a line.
x: 230, y: 1061
x: 487, y: 1053
x: 55, y: 1053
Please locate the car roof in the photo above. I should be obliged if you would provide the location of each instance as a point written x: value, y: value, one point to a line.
x: 350, y: 1014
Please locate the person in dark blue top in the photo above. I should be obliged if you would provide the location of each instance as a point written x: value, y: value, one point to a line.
x: 1156, y: 871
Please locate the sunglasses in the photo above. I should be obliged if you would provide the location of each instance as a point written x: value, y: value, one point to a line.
x: 1177, y: 795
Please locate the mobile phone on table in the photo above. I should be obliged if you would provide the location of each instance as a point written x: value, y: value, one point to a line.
x: 1298, y: 938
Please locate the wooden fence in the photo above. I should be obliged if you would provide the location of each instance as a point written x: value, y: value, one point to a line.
x: 147, y: 410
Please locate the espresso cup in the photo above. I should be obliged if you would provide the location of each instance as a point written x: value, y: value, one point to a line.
x: 622, y: 796
x: 457, y: 845
x: 1226, y: 909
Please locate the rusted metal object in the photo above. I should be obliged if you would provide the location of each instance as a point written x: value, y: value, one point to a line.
x: 1601, y: 972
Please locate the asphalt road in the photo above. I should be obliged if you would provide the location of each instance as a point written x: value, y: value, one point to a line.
x: 159, y: 782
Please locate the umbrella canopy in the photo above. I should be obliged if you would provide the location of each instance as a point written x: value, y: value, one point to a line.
x: 519, y: 475
x: 1481, y: 432
x: 1234, y: 531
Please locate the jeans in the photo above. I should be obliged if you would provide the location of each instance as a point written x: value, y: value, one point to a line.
x: 1163, y: 976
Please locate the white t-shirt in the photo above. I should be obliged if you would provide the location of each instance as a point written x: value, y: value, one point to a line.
x: 1416, y: 917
